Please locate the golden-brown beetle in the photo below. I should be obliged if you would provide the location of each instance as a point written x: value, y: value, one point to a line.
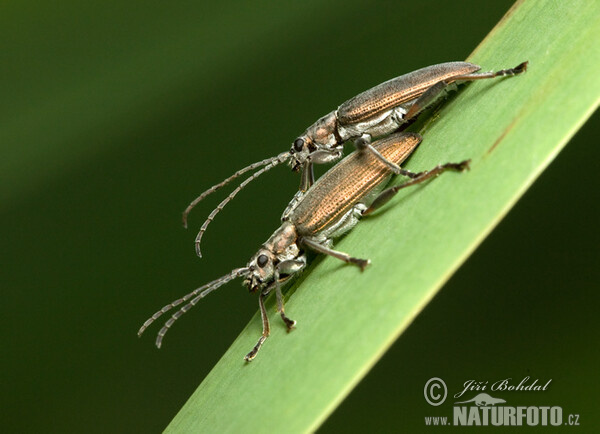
x: 329, y: 208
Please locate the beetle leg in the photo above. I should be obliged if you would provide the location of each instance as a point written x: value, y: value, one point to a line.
x: 320, y: 248
x: 308, y: 176
x: 438, y: 90
x: 323, y: 156
x: 290, y: 323
x: 265, y: 323
x: 521, y: 67
x: 428, y: 98
x: 363, y: 143
x: 290, y: 266
x: 387, y: 194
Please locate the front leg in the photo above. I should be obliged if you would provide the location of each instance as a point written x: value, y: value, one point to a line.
x: 288, y: 267
x: 265, y: 323
x: 289, y: 323
x: 320, y: 156
x: 307, y: 178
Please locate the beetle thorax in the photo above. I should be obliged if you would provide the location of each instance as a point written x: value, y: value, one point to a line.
x: 322, y: 132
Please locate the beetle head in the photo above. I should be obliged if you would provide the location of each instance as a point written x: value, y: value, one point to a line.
x: 300, y: 151
x: 320, y: 136
x: 268, y: 263
x: 261, y: 270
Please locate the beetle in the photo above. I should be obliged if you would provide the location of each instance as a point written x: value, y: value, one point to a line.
x: 376, y: 112
x: 331, y: 207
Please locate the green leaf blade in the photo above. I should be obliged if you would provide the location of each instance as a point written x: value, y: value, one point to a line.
x: 511, y: 129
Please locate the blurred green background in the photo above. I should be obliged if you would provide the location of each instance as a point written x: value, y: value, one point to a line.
x: 113, y: 116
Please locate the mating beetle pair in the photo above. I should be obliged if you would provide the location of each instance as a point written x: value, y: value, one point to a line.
x: 320, y: 212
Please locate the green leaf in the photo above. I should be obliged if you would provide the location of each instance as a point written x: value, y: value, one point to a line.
x: 511, y: 129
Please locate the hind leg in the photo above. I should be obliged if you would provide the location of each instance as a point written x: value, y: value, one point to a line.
x: 389, y: 193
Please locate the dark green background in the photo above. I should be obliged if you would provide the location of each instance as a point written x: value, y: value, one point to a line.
x: 113, y: 116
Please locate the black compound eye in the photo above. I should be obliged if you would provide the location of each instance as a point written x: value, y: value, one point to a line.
x: 298, y: 144
x: 262, y: 260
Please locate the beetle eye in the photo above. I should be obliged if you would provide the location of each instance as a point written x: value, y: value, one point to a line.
x: 298, y: 144
x: 262, y: 260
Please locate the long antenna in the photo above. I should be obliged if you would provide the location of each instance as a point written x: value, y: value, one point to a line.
x: 275, y: 161
x: 227, y: 181
x: 198, y: 293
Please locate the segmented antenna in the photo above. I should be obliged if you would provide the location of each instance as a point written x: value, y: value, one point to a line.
x: 195, y: 295
x: 274, y: 162
x: 227, y: 181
